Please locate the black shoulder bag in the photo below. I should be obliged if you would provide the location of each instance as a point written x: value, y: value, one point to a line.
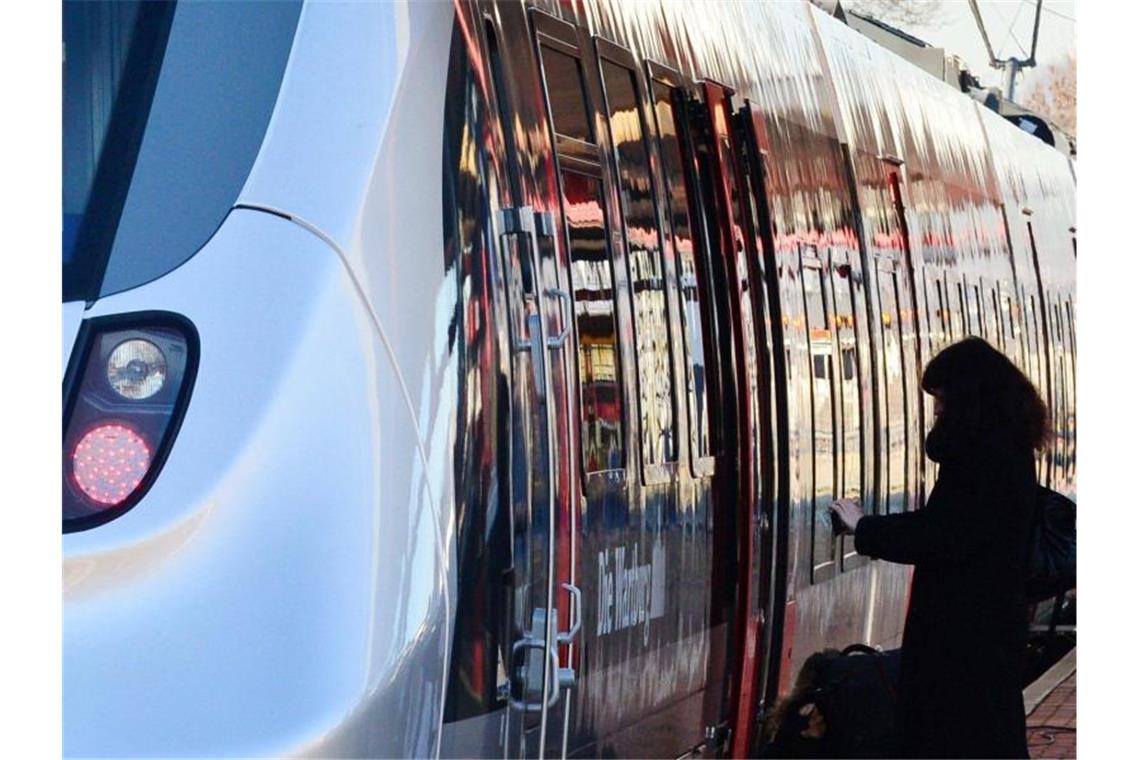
x: 1052, y: 547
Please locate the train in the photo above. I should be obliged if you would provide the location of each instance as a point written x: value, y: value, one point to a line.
x: 474, y: 378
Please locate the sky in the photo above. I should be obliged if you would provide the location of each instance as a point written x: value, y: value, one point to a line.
x: 1009, y: 24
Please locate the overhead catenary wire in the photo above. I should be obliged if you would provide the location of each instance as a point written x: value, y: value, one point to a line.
x: 1009, y: 32
x: 1054, y: 12
x: 1010, y: 66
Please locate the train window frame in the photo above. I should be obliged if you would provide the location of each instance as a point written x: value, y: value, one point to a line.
x: 962, y: 323
x: 1064, y: 407
x: 944, y: 329
x: 1012, y: 307
x: 812, y: 264
x: 979, y: 304
x: 1071, y: 334
x: 578, y: 157
x: 702, y: 465
x: 889, y: 266
x: 607, y: 51
x: 848, y: 558
x: 1039, y: 376
x: 999, y: 326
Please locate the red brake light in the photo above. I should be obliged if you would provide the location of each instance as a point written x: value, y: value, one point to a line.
x: 126, y: 389
x: 109, y: 462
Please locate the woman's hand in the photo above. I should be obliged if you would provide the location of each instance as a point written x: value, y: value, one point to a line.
x: 849, y: 512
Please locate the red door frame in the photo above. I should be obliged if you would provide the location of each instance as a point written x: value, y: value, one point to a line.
x: 744, y: 695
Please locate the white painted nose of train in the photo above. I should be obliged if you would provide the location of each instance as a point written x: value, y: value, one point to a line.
x: 282, y: 588
x: 277, y: 590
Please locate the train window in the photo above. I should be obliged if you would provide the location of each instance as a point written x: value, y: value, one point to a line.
x: 1071, y: 366
x: 599, y: 370
x: 1061, y: 369
x: 1033, y: 338
x: 167, y: 108
x: 938, y: 324
x: 963, y: 328
x: 977, y: 317
x: 647, y: 267
x: 937, y: 316
x: 566, y: 94
x: 699, y: 372
x: 895, y: 389
x: 994, y: 318
x: 850, y: 483
x: 820, y: 340
x: 1037, y: 374
x: 1011, y: 313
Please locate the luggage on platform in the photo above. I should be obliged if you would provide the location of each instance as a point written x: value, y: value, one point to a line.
x: 845, y: 704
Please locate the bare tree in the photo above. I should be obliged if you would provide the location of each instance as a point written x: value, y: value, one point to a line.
x: 1054, y: 95
x: 903, y: 13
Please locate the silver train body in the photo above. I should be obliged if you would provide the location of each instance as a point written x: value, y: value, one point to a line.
x: 474, y: 463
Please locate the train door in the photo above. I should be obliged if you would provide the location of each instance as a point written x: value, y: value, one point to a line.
x: 770, y: 577
x: 709, y: 360
x: 737, y: 247
x: 542, y: 659
x: 497, y: 689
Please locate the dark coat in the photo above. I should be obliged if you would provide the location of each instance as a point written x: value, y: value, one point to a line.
x: 966, y: 631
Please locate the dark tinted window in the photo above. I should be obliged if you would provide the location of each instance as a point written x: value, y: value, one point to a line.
x: 599, y: 373
x: 153, y: 166
x: 97, y: 39
x: 647, y: 269
x: 567, y: 95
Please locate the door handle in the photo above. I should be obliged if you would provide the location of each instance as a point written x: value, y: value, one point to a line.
x: 552, y: 688
x: 560, y: 339
x: 566, y: 637
x: 521, y: 221
x: 560, y: 677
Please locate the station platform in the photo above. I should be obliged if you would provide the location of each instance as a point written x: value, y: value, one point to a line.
x: 1051, y: 711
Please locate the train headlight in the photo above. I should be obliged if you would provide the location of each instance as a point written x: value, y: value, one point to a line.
x: 136, y: 369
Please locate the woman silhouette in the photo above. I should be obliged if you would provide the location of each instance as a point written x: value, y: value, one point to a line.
x: 965, y: 639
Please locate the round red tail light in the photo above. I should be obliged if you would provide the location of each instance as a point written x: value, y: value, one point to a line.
x: 109, y: 462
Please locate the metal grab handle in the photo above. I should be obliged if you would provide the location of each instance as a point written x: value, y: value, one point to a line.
x: 521, y: 221
x: 538, y: 361
x: 553, y: 692
x: 575, y: 614
x: 559, y: 340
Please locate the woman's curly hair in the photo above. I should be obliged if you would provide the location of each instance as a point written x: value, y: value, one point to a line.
x: 987, y: 401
